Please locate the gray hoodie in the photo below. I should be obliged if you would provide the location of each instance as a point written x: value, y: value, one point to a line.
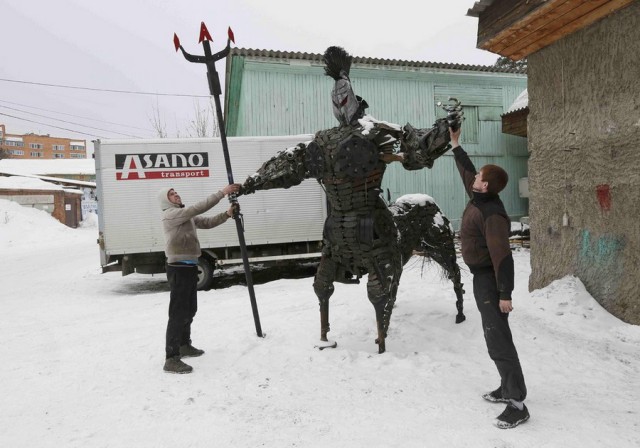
x: 180, y: 224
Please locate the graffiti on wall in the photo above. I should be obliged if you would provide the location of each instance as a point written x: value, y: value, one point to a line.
x: 600, y: 261
x: 603, y: 192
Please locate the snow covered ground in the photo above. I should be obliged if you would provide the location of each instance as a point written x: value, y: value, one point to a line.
x: 82, y: 355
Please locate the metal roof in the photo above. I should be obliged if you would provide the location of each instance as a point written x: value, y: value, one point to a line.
x: 520, y: 103
x: 316, y: 57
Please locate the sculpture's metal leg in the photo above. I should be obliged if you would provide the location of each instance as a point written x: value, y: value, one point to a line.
x: 324, y: 320
x: 323, y: 287
x: 382, y: 301
x: 382, y: 287
x: 382, y: 334
x: 443, y: 252
x: 457, y: 287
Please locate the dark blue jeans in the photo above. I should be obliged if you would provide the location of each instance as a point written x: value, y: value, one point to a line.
x: 497, y: 335
x: 183, y: 281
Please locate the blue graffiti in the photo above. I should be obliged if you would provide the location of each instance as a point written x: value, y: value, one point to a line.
x: 603, y: 251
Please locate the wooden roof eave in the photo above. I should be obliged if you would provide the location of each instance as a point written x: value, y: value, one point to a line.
x: 545, y: 25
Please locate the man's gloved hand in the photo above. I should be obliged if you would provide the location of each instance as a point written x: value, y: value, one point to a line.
x: 234, y: 209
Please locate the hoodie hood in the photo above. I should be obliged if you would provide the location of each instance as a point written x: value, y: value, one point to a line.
x: 163, y: 198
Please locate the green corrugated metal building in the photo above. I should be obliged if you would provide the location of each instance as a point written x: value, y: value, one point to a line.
x: 283, y: 93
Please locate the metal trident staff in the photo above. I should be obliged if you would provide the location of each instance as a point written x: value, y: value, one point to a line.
x: 215, y: 90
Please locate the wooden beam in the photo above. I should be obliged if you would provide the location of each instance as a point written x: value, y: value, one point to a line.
x: 581, y: 22
x: 557, y: 24
x: 501, y: 15
x: 521, y: 21
x: 548, y: 23
x: 543, y: 22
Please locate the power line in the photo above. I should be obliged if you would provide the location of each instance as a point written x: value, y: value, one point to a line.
x: 69, y: 122
x: 75, y: 116
x: 52, y: 126
x: 131, y: 92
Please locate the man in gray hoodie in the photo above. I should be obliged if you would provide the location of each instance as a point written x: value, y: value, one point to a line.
x: 183, y: 250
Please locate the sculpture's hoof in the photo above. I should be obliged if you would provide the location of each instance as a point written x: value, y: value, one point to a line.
x: 321, y: 345
x: 460, y: 318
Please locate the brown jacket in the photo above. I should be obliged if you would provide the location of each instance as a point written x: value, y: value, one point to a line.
x: 180, y: 224
x: 484, y: 230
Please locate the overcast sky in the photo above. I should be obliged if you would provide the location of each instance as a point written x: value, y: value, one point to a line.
x: 128, y: 45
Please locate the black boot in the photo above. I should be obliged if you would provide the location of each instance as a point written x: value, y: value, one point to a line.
x: 174, y: 365
x: 189, y: 351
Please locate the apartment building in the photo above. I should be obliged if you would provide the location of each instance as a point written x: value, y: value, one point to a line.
x: 33, y: 146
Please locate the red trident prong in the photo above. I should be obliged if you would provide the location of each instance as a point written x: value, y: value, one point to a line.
x: 204, y: 33
x: 230, y: 34
x: 176, y: 41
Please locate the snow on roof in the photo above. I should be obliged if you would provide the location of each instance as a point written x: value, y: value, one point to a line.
x: 26, y: 183
x: 520, y: 103
x: 49, y: 166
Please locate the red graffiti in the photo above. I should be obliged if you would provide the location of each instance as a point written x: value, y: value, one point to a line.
x: 604, y: 197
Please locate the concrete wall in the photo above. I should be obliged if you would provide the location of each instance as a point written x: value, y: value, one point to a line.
x: 584, y: 142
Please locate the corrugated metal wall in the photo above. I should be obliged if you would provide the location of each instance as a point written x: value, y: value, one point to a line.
x: 285, y: 97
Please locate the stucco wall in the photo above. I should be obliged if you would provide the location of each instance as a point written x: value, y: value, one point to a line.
x: 584, y: 139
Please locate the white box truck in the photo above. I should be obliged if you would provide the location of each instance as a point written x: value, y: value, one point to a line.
x: 279, y: 225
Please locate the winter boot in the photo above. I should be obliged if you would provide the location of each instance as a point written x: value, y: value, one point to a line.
x: 189, y: 351
x: 174, y: 365
x: 512, y: 417
x: 495, y: 396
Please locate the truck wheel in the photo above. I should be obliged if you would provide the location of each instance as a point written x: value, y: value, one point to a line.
x: 205, y: 274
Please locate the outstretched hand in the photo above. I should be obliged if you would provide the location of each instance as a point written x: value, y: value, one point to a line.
x: 234, y: 209
x: 231, y: 188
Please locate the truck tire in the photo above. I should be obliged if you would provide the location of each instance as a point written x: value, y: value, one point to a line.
x: 205, y: 274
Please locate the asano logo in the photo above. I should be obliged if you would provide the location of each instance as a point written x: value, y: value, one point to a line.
x: 161, y: 166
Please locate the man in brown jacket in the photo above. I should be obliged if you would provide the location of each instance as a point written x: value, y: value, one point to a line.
x: 484, y: 237
x: 183, y: 250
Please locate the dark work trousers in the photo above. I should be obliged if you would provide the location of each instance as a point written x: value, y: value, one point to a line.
x: 183, y: 281
x: 497, y: 334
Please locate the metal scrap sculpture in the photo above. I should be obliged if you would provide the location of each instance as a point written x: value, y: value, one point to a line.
x: 361, y: 234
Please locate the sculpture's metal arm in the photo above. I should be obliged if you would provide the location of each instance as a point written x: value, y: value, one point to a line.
x: 421, y: 147
x: 284, y: 170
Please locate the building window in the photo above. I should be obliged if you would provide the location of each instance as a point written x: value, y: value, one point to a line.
x: 36, y: 154
x: 16, y: 152
x: 58, y: 156
x: 77, y: 148
x: 58, y: 147
x: 36, y: 146
x: 12, y: 143
x: 77, y: 156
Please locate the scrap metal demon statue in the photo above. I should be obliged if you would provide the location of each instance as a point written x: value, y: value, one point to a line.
x: 361, y: 234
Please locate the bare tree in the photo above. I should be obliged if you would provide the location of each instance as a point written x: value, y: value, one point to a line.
x: 4, y: 154
x: 157, y: 122
x: 204, y: 123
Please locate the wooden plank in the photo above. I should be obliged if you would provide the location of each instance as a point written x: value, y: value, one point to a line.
x: 529, y: 22
x: 515, y: 123
x: 557, y: 23
x: 538, y: 24
x: 588, y: 19
x: 503, y: 14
